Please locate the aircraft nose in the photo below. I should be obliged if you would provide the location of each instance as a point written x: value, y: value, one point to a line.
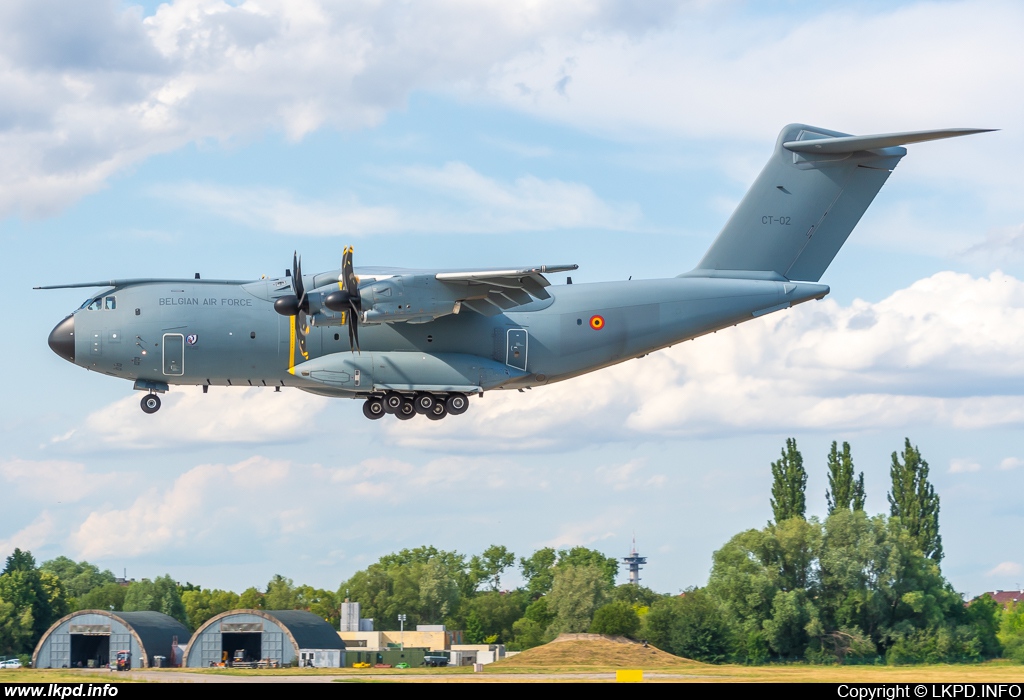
x: 62, y: 338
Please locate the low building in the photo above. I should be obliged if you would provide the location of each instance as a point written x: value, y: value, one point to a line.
x: 433, y: 640
x: 271, y: 637
x: 92, y: 639
x: 485, y: 653
x: 1006, y: 598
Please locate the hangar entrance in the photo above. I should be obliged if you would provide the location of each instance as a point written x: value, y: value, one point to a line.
x: 90, y: 650
x: 242, y: 647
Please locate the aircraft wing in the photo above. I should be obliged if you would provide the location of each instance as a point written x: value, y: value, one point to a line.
x: 489, y: 292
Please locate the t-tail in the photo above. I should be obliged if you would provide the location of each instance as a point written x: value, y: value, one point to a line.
x: 806, y: 201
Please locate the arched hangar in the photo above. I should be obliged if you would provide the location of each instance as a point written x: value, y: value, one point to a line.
x: 272, y: 636
x: 93, y: 638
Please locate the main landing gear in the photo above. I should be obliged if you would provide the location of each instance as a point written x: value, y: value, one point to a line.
x: 150, y: 403
x: 405, y: 406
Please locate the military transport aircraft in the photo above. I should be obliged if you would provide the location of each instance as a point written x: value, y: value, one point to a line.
x: 424, y: 341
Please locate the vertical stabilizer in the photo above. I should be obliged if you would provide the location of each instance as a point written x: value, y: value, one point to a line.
x: 806, y: 201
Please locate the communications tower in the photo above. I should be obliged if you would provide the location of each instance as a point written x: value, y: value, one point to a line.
x: 634, y: 561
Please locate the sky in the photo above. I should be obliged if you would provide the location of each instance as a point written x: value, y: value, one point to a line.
x: 219, y: 137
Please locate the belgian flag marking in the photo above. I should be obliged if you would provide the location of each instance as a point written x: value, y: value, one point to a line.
x: 597, y: 322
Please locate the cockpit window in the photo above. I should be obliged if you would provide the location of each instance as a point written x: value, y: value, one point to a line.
x: 94, y: 305
x: 110, y: 303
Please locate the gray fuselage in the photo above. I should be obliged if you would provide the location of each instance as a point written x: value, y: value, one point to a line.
x: 197, y: 332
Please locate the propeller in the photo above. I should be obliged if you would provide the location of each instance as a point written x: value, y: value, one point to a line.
x: 296, y: 305
x: 347, y: 298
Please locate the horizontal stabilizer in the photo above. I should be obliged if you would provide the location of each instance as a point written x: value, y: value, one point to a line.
x: 852, y: 144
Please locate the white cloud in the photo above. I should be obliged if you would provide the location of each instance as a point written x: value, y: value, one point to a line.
x: 961, y: 466
x: 462, y: 201
x: 1006, y: 568
x: 1011, y: 463
x: 208, y: 502
x: 37, y: 534
x: 52, y: 481
x: 212, y: 507
x: 189, y: 417
x: 943, y: 352
x: 587, y: 532
x: 93, y: 89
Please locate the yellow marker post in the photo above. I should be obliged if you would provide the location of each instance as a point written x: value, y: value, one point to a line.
x: 630, y: 676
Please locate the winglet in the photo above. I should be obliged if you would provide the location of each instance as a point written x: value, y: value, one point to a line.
x: 852, y: 144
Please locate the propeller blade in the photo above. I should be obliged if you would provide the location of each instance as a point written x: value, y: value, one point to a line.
x: 353, y: 329
x: 297, y: 286
x: 348, y: 276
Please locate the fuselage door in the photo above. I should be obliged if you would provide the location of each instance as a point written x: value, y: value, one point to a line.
x: 515, y: 351
x: 174, y: 354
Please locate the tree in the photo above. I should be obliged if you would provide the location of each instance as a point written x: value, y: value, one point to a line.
x: 34, y: 599
x: 251, y: 599
x: 78, y: 578
x: 692, y: 625
x: 202, y: 604
x: 109, y: 596
x: 1011, y: 631
x: 913, y: 500
x: 529, y: 630
x: 320, y: 602
x: 538, y: 571
x: 789, y: 480
x: 582, y: 556
x: 489, y: 566
x: 19, y: 561
x: 576, y: 593
x: 425, y: 583
x: 439, y: 592
x: 495, y: 614
x: 160, y: 595
x: 280, y: 594
x: 617, y: 618
x: 843, y: 490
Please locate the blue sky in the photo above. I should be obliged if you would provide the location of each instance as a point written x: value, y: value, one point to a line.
x: 213, y: 137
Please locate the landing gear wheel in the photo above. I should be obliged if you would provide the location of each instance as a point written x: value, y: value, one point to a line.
x: 373, y: 408
x: 150, y: 403
x: 392, y: 400
x: 438, y: 412
x: 456, y: 404
x: 406, y: 410
x: 425, y: 403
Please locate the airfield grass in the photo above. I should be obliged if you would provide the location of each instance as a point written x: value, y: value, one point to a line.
x: 64, y: 675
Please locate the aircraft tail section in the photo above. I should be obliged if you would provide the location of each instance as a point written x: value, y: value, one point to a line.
x: 806, y: 201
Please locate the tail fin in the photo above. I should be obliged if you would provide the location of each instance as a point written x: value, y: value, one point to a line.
x: 806, y: 201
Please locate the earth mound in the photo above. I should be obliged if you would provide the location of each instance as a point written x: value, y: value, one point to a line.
x: 593, y: 650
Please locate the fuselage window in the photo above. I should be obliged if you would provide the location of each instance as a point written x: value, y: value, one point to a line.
x: 110, y: 303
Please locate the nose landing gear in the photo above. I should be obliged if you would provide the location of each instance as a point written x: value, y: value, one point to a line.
x: 150, y: 403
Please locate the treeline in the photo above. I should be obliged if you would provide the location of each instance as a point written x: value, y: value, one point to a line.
x: 853, y: 588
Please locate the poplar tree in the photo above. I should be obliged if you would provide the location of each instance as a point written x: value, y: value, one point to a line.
x: 914, y: 501
x: 843, y: 490
x: 789, y: 480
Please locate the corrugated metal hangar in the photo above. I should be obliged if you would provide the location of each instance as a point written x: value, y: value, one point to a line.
x: 270, y: 637
x: 92, y: 638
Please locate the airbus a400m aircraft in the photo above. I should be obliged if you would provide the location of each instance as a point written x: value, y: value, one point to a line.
x: 424, y: 341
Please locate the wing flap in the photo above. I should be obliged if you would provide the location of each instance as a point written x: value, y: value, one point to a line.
x: 489, y: 292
